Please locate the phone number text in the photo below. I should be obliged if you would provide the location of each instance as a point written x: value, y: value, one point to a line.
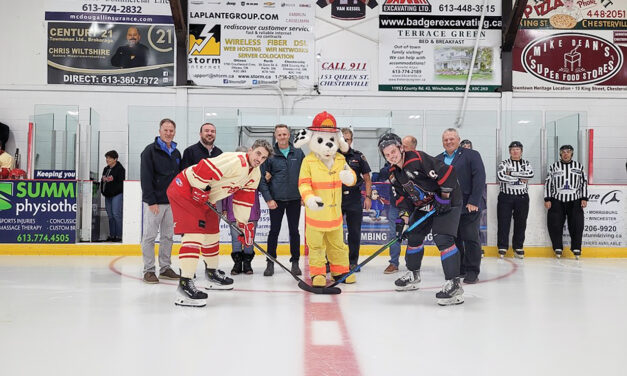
x: 43, y: 238
x: 109, y: 80
x: 108, y: 8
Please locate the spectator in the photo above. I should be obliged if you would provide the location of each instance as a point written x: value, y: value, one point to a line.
x: 111, y: 186
x: 471, y: 176
x: 279, y: 187
x: 160, y: 163
x: 352, y: 207
x: 513, y: 175
x: 205, y: 148
x: 466, y: 144
x: 565, y: 196
x: 241, y: 260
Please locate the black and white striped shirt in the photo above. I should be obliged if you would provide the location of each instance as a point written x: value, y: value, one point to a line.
x: 513, y: 176
x: 566, y: 182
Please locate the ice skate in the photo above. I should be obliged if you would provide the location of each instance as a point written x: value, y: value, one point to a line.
x: 558, y: 253
x: 502, y: 252
x: 217, y: 280
x: 410, y: 281
x: 451, y: 293
x: 188, y: 294
x: 519, y: 253
x: 576, y: 253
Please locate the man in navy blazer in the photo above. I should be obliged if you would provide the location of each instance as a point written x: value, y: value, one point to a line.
x: 471, y: 176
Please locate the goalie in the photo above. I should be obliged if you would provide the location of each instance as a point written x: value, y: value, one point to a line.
x: 209, y: 181
x: 421, y: 183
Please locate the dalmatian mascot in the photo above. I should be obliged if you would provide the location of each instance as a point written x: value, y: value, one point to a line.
x: 322, y: 174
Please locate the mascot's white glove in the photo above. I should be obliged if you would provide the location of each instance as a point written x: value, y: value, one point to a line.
x: 314, y: 203
x: 347, y: 176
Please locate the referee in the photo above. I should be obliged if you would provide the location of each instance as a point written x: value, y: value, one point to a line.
x: 565, y: 195
x: 513, y: 175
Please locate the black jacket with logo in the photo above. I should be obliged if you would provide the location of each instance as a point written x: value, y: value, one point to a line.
x: 283, y: 185
x: 157, y: 171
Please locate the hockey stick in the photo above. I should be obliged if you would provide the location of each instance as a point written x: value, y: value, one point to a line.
x: 356, y: 268
x: 301, y: 284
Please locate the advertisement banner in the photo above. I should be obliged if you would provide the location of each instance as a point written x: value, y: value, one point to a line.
x: 344, y: 74
x: 571, y: 46
x: 237, y: 43
x: 33, y: 211
x: 604, y: 223
x: 427, y: 45
x: 100, y: 43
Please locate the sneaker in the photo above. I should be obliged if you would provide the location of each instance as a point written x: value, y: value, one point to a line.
x: 519, y: 253
x: 169, y: 274
x: 577, y: 253
x: 409, y: 281
x: 391, y: 269
x: 558, y: 253
x: 471, y: 278
x: 269, y: 269
x: 188, y: 294
x: 295, y: 269
x: 150, y: 277
x: 502, y: 252
x: 217, y: 280
x: 451, y: 293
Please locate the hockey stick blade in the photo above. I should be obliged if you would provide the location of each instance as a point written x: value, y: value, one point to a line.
x: 356, y: 268
x: 301, y: 284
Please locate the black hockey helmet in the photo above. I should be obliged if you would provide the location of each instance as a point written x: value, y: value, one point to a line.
x: 466, y: 142
x: 566, y: 147
x: 388, y: 139
x: 516, y: 144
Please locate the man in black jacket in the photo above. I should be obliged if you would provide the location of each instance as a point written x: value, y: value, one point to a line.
x: 279, y: 187
x: 112, y: 186
x: 204, y: 148
x: 160, y: 163
x: 471, y: 176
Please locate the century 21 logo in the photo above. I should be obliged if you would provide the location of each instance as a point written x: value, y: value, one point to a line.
x: 5, y: 189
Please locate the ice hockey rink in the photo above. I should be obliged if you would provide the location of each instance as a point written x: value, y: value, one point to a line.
x: 92, y: 315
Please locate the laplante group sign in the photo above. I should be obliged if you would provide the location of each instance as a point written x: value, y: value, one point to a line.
x: 37, y: 211
x: 571, y: 46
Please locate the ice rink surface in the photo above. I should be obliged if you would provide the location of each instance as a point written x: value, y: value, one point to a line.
x: 82, y: 315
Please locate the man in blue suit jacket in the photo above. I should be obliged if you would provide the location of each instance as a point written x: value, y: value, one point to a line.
x: 471, y: 176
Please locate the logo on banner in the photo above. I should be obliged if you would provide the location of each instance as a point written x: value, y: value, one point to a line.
x: 611, y: 196
x: 348, y: 10
x: 406, y: 6
x: 5, y: 189
x: 204, y: 40
x: 572, y: 59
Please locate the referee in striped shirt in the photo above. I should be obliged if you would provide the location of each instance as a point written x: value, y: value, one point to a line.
x: 513, y: 175
x: 566, y: 195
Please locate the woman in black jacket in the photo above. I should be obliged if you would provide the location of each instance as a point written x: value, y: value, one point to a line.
x: 112, y: 185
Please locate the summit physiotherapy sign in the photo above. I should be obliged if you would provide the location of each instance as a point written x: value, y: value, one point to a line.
x: 37, y: 211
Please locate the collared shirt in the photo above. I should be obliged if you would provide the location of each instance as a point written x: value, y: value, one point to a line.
x: 448, y: 159
x: 165, y: 147
x: 285, y: 151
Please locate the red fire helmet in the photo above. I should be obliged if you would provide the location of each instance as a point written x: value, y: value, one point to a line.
x: 324, y: 122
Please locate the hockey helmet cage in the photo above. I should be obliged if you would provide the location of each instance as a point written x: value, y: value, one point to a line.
x: 388, y: 139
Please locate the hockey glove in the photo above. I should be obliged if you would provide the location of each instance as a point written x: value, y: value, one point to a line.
x: 199, y: 196
x: 248, y: 231
x: 401, y: 226
x: 442, y: 205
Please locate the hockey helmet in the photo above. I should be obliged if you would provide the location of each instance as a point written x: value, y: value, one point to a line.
x: 516, y: 144
x: 324, y: 122
x: 566, y: 147
x: 388, y: 139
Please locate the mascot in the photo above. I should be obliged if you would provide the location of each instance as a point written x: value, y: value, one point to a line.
x: 320, y: 184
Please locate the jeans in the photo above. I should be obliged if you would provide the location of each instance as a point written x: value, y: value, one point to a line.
x: 113, y: 205
x: 395, y: 249
x: 237, y: 245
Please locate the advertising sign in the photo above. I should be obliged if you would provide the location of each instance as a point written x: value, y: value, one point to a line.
x: 33, y: 211
x: 571, y: 46
x: 241, y: 43
x: 344, y: 74
x: 100, y: 43
x: 427, y: 45
x: 604, y: 223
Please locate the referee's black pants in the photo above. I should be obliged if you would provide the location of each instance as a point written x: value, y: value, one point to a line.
x: 508, y: 205
x: 557, y: 215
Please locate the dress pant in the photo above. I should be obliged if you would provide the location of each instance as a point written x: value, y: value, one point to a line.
x: 292, y: 209
x: 508, y: 206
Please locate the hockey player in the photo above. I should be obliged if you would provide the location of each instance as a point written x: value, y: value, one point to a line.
x: 419, y: 183
x: 565, y: 196
x: 211, y: 180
